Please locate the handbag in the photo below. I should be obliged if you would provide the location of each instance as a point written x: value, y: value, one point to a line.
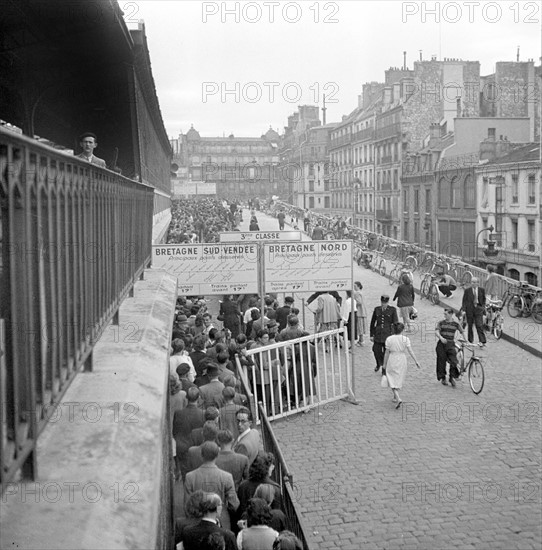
x: 220, y: 317
x: 413, y: 313
x: 384, y: 382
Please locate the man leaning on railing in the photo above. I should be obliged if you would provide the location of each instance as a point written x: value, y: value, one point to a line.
x: 88, y: 142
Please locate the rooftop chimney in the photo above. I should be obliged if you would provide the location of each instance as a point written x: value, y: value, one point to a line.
x: 404, y: 61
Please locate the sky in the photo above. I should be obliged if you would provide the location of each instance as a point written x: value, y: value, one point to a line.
x: 242, y: 67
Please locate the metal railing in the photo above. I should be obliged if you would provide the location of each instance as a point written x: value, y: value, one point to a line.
x: 74, y: 240
x: 295, y: 375
x: 398, y: 250
x: 284, y: 478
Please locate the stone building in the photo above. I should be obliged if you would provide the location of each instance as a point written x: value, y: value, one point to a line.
x: 510, y: 200
x: 232, y: 167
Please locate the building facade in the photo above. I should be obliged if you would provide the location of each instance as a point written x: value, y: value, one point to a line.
x: 231, y: 167
x: 511, y: 202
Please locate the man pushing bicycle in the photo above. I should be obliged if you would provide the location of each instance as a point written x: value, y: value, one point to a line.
x: 446, y: 350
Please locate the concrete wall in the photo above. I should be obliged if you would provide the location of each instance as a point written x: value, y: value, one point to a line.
x: 105, y: 457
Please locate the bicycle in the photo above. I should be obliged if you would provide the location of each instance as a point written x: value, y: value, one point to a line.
x: 474, y: 367
x: 429, y: 288
x: 494, y: 320
x: 397, y: 273
x: 524, y: 301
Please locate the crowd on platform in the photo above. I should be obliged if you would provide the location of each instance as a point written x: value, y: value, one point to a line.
x: 227, y: 476
x: 201, y: 221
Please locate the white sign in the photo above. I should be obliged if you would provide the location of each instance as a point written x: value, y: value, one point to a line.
x: 308, y: 266
x: 207, y: 269
x: 259, y: 236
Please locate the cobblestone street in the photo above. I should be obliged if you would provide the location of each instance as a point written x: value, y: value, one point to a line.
x: 448, y: 470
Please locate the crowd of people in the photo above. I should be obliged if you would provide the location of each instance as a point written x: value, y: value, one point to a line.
x: 231, y: 499
x: 230, y: 496
x: 201, y: 220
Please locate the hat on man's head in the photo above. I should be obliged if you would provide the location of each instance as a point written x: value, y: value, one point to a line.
x: 182, y: 318
x: 289, y: 299
x: 272, y: 324
x: 88, y: 134
x: 384, y: 298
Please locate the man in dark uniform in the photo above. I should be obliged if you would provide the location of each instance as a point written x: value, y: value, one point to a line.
x: 382, y: 325
x: 446, y: 351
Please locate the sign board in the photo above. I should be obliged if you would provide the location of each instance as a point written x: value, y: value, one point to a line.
x: 259, y: 236
x: 308, y: 266
x: 208, y: 269
x: 191, y: 188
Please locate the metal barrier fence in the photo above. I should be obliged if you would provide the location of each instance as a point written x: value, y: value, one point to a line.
x: 398, y: 250
x: 74, y: 240
x: 295, y: 375
x: 284, y: 478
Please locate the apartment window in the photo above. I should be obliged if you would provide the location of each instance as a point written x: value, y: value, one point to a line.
x: 405, y: 201
x: 326, y: 202
x: 416, y: 232
x: 311, y: 186
x: 416, y: 201
x: 515, y: 196
x: 311, y: 202
x: 311, y: 169
x: 405, y: 230
x: 456, y: 192
x: 428, y: 201
x: 514, y: 234
x: 531, y: 188
x: 530, y: 235
x: 491, y: 133
x: 395, y: 178
x: 485, y: 193
x: 443, y: 197
x: 469, y: 191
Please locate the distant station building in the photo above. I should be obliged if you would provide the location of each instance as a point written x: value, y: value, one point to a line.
x: 227, y: 167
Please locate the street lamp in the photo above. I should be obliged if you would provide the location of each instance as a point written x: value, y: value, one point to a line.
x: 490, y: 251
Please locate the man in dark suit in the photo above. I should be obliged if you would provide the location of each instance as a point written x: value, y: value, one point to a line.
x: 283, y: 312
x: 196, y: 536
x: 474, y: 302
x: 248, y: 442
x: 88, y: 142
x: 382, y: 325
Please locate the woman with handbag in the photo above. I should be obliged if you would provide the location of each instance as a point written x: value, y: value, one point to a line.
x: 395, y: 361
x: 405, y: 299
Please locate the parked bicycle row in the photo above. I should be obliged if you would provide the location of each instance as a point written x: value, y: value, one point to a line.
x: 437, y: 271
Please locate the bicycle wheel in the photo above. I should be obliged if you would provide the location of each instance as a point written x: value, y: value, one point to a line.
x: 382, y: 268
x: 453, y: 273
x: 466, y: 278
x: 434, y: 295
x: 393, y: 277
x: 515, y: 306
x: 527, y: 309
x: 498, y: 322
x: 537, y: 313
x: 424, y: 289
x: 411, y: 262
x: 476, y: 375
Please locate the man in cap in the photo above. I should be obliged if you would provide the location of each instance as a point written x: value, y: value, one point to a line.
x: 88, y: 142
x: 382, y: 325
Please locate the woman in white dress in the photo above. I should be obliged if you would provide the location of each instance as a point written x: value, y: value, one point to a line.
x: 395, y: 361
